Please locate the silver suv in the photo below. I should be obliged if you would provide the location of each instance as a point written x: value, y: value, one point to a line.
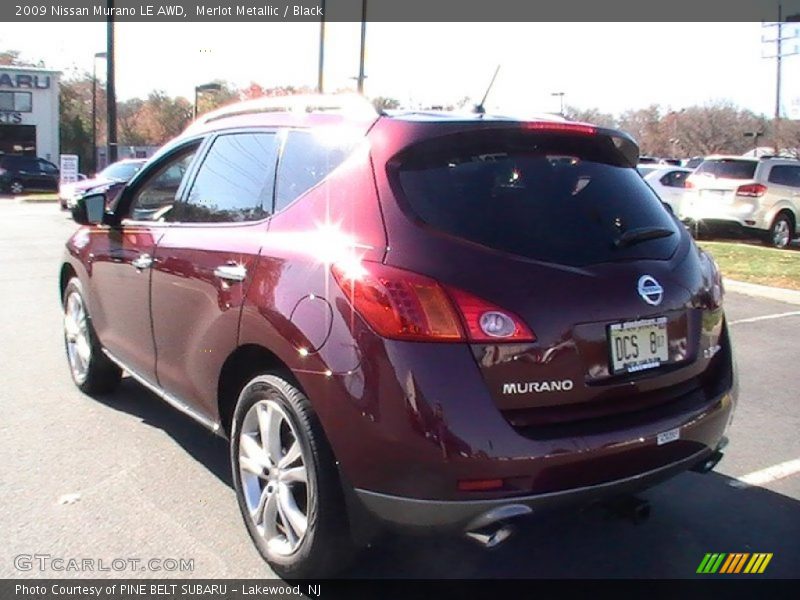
x: 755, y: 194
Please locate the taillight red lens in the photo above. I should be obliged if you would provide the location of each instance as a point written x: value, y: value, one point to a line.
x: 752, y: 190
x: 399, y: 304
x: 558, y: 126
x: 487, y: 322
x: 688, y: 184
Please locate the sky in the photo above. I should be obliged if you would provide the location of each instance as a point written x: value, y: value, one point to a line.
x: 609, y: 66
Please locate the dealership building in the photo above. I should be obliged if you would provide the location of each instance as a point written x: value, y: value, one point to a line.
x: 29, y: 112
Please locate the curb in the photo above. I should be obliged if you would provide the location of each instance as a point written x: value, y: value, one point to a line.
x: 762, y: 291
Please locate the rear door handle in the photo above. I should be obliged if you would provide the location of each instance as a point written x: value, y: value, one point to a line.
x: 231, y: 272
x: 143, y: 261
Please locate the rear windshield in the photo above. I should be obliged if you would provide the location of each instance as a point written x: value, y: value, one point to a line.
x: 559, y: 198
x: 727, y: 168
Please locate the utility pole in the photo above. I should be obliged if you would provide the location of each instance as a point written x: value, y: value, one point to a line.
x: 361, y: 75
x: 111, y: 92
x: 780, y: 52
x: 320, y: 78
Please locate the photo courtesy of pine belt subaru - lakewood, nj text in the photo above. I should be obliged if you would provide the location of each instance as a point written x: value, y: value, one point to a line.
x: 417, y: 320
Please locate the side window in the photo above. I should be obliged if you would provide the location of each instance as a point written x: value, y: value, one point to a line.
x: 234, y: 183
x: 305, y: 161
x: 674, y: 179
x: 47, y: 167
x: 156, y: 196
x: 785, y: 175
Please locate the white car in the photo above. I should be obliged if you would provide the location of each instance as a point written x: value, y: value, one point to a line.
x: 668, y: 182
x: 757, y: 195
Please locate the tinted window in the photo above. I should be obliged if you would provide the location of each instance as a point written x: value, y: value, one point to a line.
x: 557, y: 198
x: 727, y: 168
x: 674, y: 179
x: 47, y: 167
x: 306, y: 159
x: 785, y: 175
x: 121, y: 171
x: 234, y: 183
x: 154, y: 198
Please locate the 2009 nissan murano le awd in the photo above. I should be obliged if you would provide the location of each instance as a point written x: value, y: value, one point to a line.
x: 426, y: 320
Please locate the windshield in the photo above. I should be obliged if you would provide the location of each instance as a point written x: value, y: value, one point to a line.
x: 552, y: 197
x: 727, y: 168
x: 120, y: 171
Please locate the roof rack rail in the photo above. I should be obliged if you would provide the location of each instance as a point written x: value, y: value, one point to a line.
x: 300, y: 103
x: 777, y: 156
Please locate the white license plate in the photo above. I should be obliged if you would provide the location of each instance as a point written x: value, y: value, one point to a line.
x: 665, y: 437
x: 638, y: 345
x: 717, y: 196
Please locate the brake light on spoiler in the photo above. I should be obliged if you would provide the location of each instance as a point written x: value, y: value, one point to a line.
x: 561, y: 127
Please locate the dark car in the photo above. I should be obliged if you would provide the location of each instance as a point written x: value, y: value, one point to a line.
x: 120, y: 171
x: 20, y: 174
x: 418, y: 320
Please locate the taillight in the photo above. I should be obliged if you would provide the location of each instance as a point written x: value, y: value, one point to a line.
x: 688, y: 184
x: 399, y: 304
x: 486, y: 322
x: 752, y: 190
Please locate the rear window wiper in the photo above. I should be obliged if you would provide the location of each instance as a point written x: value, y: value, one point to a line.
x: 641, y: 234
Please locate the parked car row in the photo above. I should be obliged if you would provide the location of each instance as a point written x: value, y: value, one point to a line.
x: 733, y: 194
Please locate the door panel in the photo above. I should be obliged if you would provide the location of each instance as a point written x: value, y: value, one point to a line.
x: 121, y: 294
x: 195, y: 311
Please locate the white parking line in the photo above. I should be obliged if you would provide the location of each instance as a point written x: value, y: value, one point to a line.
x: 793, y: 313
x: 770, y: 474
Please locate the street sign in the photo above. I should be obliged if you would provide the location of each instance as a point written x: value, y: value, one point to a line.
x: 69, y: 168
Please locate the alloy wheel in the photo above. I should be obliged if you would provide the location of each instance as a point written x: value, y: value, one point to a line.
x: 781, y: 233
x: 274, y: 476
x: 17, y: 187
x: 76, y: 334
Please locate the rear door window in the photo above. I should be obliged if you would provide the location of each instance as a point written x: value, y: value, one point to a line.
x: 674, y: 179
x: 559, y: 198
x: 728, y: 168
x: 305, y: 161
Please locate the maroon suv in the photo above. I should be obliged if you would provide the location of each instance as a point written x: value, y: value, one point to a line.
x: 425, y: 320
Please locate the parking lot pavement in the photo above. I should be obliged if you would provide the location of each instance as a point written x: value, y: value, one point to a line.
x: 129, y: 477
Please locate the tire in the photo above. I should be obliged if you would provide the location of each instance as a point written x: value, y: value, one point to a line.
x: 91, y: 370
x: 300, y: 528
x: 780, y: 232
x: 16, y: 187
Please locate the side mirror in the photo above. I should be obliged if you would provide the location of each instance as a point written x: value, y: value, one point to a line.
x: 90, y: 209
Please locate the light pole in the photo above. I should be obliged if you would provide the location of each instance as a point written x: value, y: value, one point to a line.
x: 205, y: 87
x: 561, y: 101
x: 111, y: 90
x: 321, y: 49
x: 755, y: 135
x: 361, y: 75
x: 94, y: 108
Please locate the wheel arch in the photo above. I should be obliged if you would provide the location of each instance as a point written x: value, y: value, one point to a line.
x: 67, y: 273
x: 244, y: 363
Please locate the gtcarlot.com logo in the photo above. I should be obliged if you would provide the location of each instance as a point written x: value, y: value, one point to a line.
x: 734, y: 563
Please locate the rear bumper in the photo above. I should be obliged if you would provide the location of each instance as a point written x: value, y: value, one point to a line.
x: 469, y: 514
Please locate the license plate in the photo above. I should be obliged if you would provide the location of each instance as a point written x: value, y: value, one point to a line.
x: 665, y: 437
x: 638, y: 345
x: 717, y: 195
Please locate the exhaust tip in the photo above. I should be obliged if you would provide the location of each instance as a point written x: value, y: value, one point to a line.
x: 491, y: 538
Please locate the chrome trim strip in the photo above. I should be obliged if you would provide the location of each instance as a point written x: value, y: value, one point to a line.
x: 173, y: 401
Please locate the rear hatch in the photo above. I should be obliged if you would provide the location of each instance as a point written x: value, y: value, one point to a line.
x: 557, y: 228
x: 712, y: 187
